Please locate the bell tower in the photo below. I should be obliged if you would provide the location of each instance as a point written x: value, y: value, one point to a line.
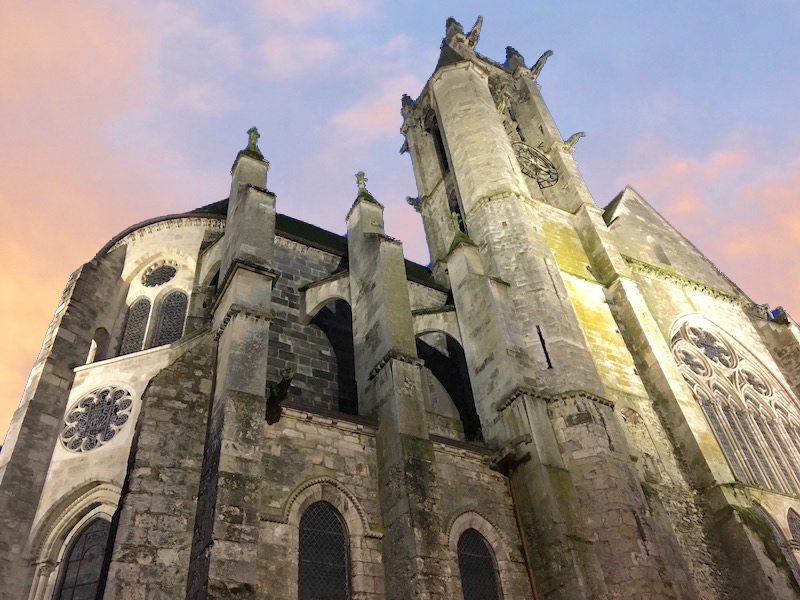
x: 506, y: 213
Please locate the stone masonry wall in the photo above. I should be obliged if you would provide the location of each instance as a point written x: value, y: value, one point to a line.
x: 310, y: 457
x: 304, y: 348
x: 156, y: 516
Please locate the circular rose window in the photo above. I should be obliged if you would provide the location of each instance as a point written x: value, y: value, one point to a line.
x: 159, y: 275
x: 96, y: 418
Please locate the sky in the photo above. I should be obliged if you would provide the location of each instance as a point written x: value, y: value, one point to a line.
x: 115, y: 112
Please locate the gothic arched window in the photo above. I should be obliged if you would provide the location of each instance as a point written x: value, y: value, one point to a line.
x: 754, y: 418
x: 82, y: 563
x: 324, y: 570
x: 135, y: 326
x: 477, y: 568
x: 171, y: 314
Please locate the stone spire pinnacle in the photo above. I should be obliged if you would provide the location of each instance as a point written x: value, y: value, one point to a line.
x: 252, y: 144
x: 363, y: 192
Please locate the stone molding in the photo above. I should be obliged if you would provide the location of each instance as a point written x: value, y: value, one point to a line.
x: 178, y: 223
x: 470, y: 518
x: 285, y: 515
x: 59, y: 521
x: 686, y: 283
x: 393, y: 355
x: 502, y: 405
x: 236, y: 310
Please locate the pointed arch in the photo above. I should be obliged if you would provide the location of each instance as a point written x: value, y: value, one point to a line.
x: 56, y: 530
x: 356, y: 525
x: 753, y: 415
x: 135, y: 326
x: 477, y: 548
x: 443, y: 357
x: 170, y: 319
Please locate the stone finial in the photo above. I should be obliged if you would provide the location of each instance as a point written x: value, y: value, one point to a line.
x: 514, y: 59
x: 362, y: 180
x: 455, y: 32
x: 475, y: 33
x: 537, y: 68
x: 252, y: 144
x: 363, y: 192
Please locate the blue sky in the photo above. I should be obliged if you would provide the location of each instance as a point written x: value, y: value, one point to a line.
x: 115, y: 112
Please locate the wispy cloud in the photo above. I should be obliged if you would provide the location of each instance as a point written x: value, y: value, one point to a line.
x: 377, y: 115
x: 303, y: 12
x: 295, y: 55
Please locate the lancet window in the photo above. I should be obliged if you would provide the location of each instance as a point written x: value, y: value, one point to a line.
x: 477, y: 568
x: 172, y: 313
x: 82, y: 565
x: 324, y: 569
x: 753, y: 416
x: 135, y: 326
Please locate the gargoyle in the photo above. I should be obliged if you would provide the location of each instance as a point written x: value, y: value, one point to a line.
x: 537, y: 68
x: 277, y: 394
x: 569, y: 145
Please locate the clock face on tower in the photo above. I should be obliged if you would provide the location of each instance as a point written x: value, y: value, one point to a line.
x: 535, y: 164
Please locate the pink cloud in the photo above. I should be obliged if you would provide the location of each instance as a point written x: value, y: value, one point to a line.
x: 749, y: 231
x: 378, y: 114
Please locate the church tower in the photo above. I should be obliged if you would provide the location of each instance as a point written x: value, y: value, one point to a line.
x: 571, y: 375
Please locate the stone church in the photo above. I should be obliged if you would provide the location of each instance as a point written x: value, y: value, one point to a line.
x: 571, y: 402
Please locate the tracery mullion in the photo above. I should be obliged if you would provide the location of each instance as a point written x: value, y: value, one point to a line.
x: 777, y: 441
x: 766, y: 454
x: 793, y: 435
x: 723, y: 437
x: 740, y: 439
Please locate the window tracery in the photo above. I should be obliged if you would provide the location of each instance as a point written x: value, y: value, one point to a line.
x: 159, y: 274
x: 172, y: 313
x: 135, y: 327
x: 754, y: 418
x: 96, y: 418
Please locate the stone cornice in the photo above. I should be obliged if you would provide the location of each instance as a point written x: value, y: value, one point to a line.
x: 176, y: 223
x: 502, y: 405
x: 666, y: 274
x: 393, y: 355
x: 235, y: 310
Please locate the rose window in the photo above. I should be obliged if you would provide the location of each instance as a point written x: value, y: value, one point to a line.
x: 96, y: 419
x: 159, y: 274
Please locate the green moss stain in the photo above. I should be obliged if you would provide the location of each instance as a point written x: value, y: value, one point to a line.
x: 567, y: 248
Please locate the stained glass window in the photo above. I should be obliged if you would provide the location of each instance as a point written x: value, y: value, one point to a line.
x: 135, y: 327
x: 753, y: 416
x: 324, y: 572
x: 476, y: 565
x: 169, y: 327
x: 82, y: 563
